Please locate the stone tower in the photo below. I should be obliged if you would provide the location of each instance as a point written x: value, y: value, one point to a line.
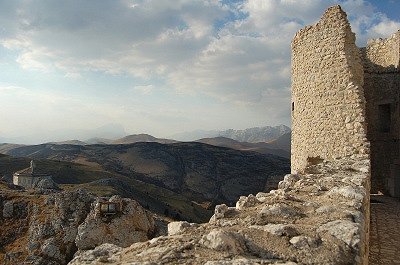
x: 381, y: 60
x: 328, y: 104
x: 346, y: 100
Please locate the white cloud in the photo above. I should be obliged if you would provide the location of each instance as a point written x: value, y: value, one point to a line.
x: 73, y: 75
x: 385, y: 28
x: 110, y: 36
x: 10, y: 88
x: 238, y: 53
x: 144, y: 89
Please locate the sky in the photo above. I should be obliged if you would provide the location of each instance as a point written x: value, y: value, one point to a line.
x: 69, y: 69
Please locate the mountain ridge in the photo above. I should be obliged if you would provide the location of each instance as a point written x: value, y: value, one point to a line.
x: 260, y: 147
x: 251, y: 135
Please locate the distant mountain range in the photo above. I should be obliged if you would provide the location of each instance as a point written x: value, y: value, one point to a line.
x: 130, y: 139
x: 264, y: 140
x: 250, y: 135
x: 279, y: 147
x: 136, y: 138
x: 283, y: 142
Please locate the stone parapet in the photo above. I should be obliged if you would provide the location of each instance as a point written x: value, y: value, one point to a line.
x: 382, y: 55
x: 319, y: 217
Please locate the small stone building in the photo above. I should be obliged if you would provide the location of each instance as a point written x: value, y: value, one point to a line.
x: 29, y: 177
x: 345, y: 99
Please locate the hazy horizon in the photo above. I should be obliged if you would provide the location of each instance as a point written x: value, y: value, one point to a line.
x: 108, y: 132
x: 160, y: 67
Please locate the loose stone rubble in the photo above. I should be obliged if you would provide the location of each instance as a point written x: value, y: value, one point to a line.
x: 317, y: 217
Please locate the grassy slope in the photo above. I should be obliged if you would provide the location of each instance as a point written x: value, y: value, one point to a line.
x: 74, y: 176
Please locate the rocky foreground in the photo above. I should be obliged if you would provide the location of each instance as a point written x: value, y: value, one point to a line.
x: 45, y: 229
x: 319, y: 217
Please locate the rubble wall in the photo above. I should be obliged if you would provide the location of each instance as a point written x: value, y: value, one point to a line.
x: 329, y: 108
x: 318, y: 217
x: 328, y: 104
x: 382, y: 55
x: 381, y: 86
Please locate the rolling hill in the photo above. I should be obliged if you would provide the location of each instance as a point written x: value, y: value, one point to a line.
x: 283, y: 142
x: 262, y: 148
x: 178, y: 178
x: 136, y: 138
x: 72, y: 176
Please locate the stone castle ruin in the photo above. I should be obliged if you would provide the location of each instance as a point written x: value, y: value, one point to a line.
x: 345, y: 99
x: 345, y: 127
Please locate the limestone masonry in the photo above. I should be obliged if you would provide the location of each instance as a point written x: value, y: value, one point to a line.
x: 345, y: 100
x: 381, y: 89
x: 328, y: 104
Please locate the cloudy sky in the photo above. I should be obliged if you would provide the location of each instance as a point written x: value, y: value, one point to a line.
x: 156, y: 66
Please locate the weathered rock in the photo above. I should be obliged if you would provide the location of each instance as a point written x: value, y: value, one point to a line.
x: 129, y: 225
x: 279, y: 209
x: 288, y: 226
x: 288, y: 181
x: 224, y: 241
x: 103, y: 253
x: 46, y: 184
x: 15, y: 210
x: 51, y: 241
x: 303, y: 242
x: 348, y: 192
x: 52, y: 250
x: 245, y: 202
x: 175, y: 228
x: 344, y: 230
x: 326, y: 209
x: 8, y: 209
x: 222, y: 211
x: 277, y: 229
x: 354, y: 195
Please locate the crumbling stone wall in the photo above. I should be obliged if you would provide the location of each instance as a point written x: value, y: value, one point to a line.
x: 329, y: 109
x: 382, y: 55
x: 328, y: 104
x: 318, y: 217
x: 381, y: 86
